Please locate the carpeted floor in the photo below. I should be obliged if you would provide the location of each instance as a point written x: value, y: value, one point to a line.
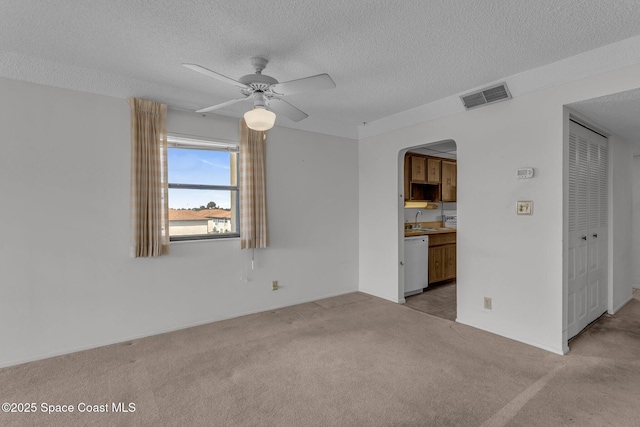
x: 353, y: 360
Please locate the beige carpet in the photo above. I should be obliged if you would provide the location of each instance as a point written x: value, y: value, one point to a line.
x: 353, y: 360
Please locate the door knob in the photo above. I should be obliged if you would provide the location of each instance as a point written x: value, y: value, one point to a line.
x: 584, y: 237
x: 595, y: 235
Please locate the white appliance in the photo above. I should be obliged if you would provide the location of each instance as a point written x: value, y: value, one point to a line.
x: 416, y: 264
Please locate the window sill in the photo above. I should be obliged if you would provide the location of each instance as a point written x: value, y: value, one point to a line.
x: 205, y: 239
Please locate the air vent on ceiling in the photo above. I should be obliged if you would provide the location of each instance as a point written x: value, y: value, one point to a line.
x: 486, y: 96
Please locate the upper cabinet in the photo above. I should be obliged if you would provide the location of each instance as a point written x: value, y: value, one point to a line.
x: 433, y: 174
x: 449, y: 186
x: 429, y: 178
x: 419, y: 169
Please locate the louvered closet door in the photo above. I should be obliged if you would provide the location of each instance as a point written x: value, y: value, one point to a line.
x: 587, y: 296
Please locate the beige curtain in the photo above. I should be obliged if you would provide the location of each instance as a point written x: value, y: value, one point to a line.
x: 253, y: 189
x: 149, y: 189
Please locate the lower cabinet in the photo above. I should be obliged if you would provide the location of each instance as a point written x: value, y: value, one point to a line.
x: 442, y: 257
x: 449, y: 262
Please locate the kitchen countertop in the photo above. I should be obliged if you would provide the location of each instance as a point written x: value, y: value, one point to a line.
x: 411, y: 233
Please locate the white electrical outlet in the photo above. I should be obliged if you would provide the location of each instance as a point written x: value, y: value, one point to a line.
x: 487, y: 303
x: 274, y: 285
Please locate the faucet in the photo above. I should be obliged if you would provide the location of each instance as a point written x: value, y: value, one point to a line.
x: 415, y: 225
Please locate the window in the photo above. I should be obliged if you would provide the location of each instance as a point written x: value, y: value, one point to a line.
x: 203, y: 189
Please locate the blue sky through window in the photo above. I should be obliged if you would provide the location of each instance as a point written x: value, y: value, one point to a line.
x: 188, y: 166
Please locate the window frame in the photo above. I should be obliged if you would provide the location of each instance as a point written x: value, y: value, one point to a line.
x: 198, y: 143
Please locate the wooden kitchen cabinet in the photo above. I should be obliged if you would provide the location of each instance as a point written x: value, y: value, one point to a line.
x: 425, y: 192
x: 418, y: 169
x: 449, y: 261
x: 428, y: 178
x: 436, y: 264
x: 449, y: 184
x: 442, y: 257
x: 415, y: 180
x: 433, y: 171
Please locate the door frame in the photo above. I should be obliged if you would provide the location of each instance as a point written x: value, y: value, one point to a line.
x: 569, y: 114
x: 401, y: 154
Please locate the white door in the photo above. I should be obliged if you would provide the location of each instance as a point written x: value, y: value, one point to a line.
x: 587, y: 296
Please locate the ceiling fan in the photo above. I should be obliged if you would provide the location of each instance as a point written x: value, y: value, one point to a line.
x: 266, y: 93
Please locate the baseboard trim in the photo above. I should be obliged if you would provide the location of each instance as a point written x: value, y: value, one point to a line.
x: 625, y: 302
x: 510, y: 336
x: 162, y: 331
x: 379, y: 295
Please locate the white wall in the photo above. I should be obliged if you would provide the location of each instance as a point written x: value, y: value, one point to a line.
x: 621, y: 222
x: 516, y: 260
x: 636, y: 222
x: 70, y: 284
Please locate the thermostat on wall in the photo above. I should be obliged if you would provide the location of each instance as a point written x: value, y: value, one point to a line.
x: 525, y: 173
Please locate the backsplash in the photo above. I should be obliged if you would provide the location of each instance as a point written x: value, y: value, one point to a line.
x: 429, y: 215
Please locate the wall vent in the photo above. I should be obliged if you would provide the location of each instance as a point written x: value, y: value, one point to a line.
x: 486, y: 96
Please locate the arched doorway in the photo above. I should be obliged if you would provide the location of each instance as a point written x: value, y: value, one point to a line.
x: 428, y: 232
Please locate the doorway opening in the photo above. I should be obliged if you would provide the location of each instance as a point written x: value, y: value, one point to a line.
x: 613, y: 116
x: 438, y: 300
x: 428, y: 183
x: 588, y: 225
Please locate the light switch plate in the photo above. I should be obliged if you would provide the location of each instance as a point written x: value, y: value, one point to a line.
x: 524, y: 207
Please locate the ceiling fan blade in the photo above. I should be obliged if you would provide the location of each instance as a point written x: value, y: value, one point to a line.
x: 280, y: 106
x: 306, y: 84
x: 224, y: 104
x: 208, y: 72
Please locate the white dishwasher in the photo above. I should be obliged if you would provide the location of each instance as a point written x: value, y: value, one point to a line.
x: 416, y: 264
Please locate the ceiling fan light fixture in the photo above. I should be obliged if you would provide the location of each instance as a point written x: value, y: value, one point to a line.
x: 260, y: 119
x: 266, y: 90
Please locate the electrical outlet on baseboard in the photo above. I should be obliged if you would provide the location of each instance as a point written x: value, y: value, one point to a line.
x: 487, y: 303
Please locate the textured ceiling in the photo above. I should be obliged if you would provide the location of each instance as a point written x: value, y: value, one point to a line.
x: 385, y: 57
x: 619, y: 113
